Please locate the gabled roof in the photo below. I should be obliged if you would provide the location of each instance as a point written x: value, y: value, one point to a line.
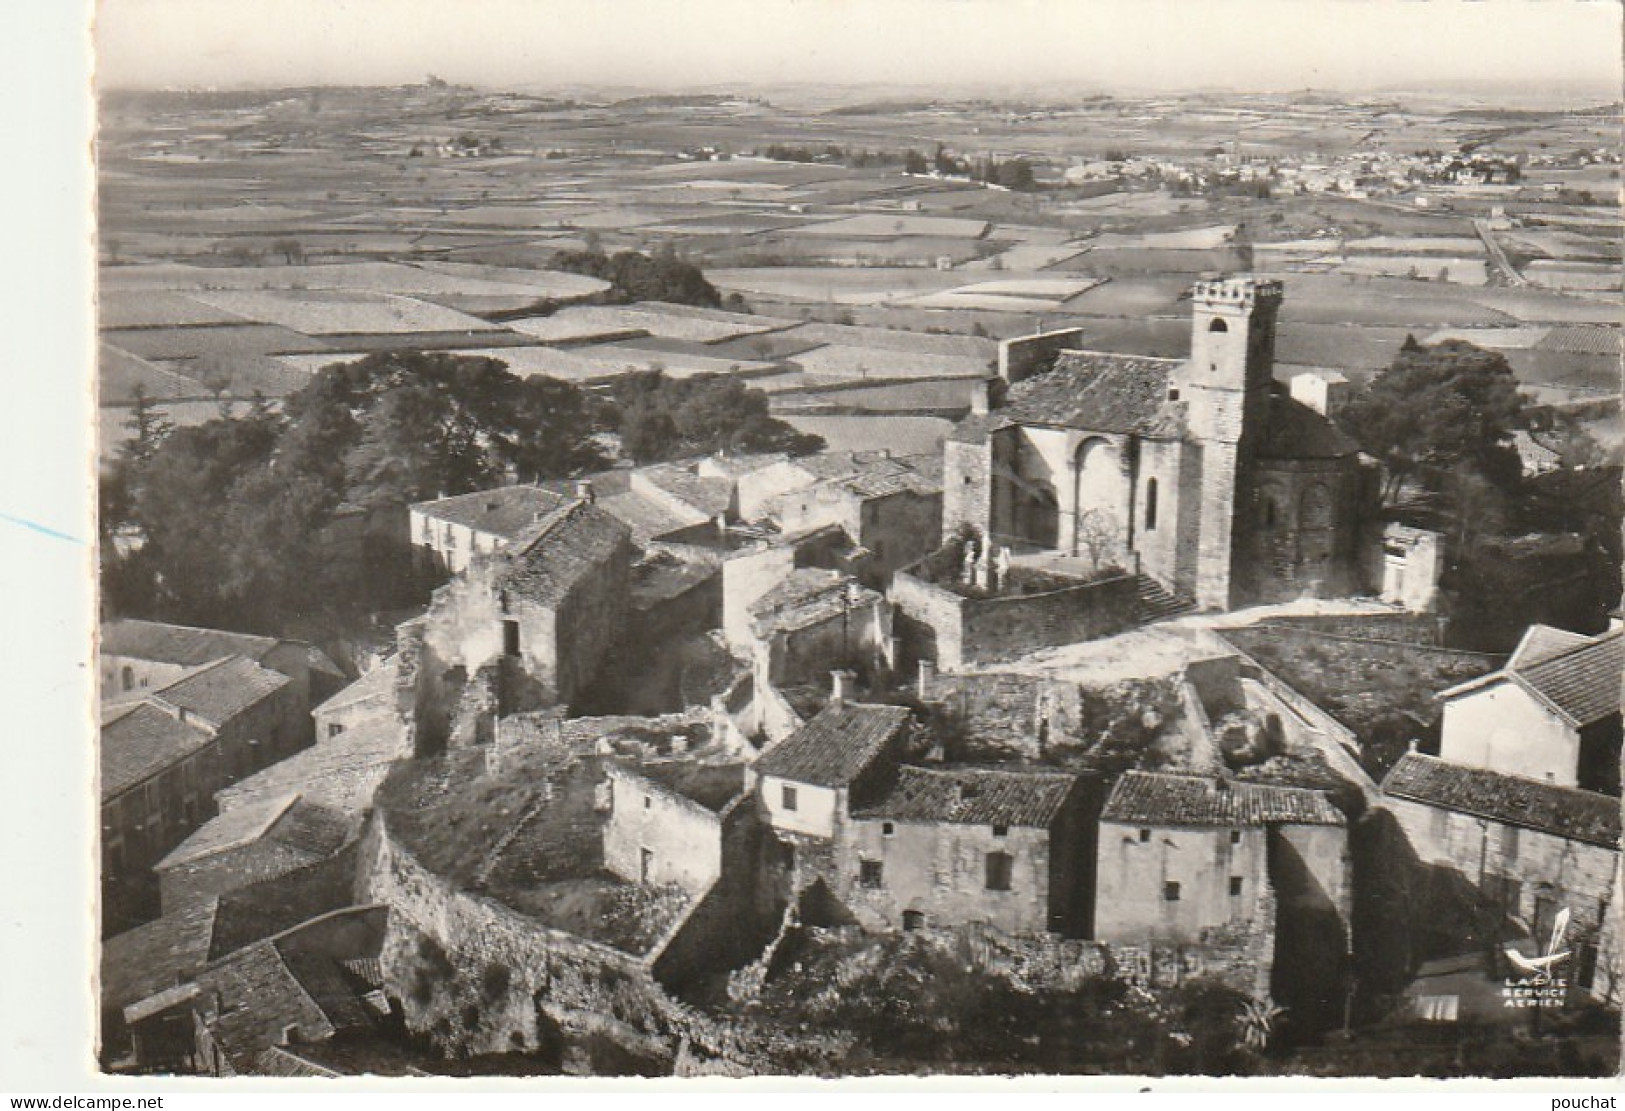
x: 836, y: 746
x: 1566, y: 812
x: 341, y: 772
x: 142, y: 743
x: 562, y: 549
x: 807, y: 596
x: 712, y: 786
x: 973, y: 796
x: 1093, y: 391
x: 377, y: 685
x: 647, y: 518
x: 156, y: 955
x: 182, y: 645
x: 1169, y: 799
x: 709, y: 497
x: 220, y: 691
x: 1579, y: 678
x: 506, y: 511
x: 304, y: 829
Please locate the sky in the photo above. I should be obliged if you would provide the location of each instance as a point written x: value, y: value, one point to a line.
x: 1259, y: 45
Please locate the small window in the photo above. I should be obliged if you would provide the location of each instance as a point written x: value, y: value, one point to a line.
x: 1509, y: 844
x: 1170, y: 892
x: 998, y: 871
x: 887, y: 829
x: 128, y: 679
x: 334, y: 729
x: 1145, y: 835
x: 647, y: 802
x: 787, y: 797
x: 870, y: 873
x: 1235, y: 887
x: 1150, y: 505
x: 1001, y: 831
x: 510, y: 638
x: 1173, y: 393
x: 1235, y: 837
x: 913, y: 920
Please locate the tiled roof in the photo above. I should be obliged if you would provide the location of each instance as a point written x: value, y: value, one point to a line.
x: 506, y: 511
x: 647, y: 518
x: 307, y: 829
x: 260, y: 997
x: 1296, y: 431
x: 179, y: 644
x: 144, y: 742
x: 219, y: 692
x: 807, y: 596
x: 1093, y: 391
x: 156, y: 955
x: 713, y: 786
x: 1584, y: 682
x: 1542, y: 642
x: 561, y: 550
x: 708, y: 496
x: 835, y: 746
x: 1578, y: 677
x: 973, y: 796
x: 376, y: 685
x: 1164, y: 799
x: 341, y: 772
x: 279, y: 903
x: 1566, y: 812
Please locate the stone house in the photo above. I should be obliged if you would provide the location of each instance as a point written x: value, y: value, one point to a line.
x: 814, y: 621
x: 667, y: 821
x: 163, y: 757
x: 954, y: 846
x: 371, y: 696
x: 138, y: 656
x: 448, y: 533
x: 1552, y: 713
x: 848, y: 751
x: 1204, y: 474
x: 891, y: 508
x: 750, y: 572
x: 249, y: 844
x: 1526, y: 848
x: 1181, y: 854
x: 534, y: 622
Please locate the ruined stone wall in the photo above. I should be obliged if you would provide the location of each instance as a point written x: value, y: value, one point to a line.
x: 965, y: 631
x: 474, y: 976
x: 1022, y: 357
x: 1299, y: 529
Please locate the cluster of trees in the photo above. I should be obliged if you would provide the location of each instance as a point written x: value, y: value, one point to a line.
x: 1441, y: 419
x: 633, y: 276
x: 1017, y: 173
x: 251, y: 521
x: 663, y: 418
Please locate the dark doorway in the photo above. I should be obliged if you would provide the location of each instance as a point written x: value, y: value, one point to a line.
x: 510, y: 638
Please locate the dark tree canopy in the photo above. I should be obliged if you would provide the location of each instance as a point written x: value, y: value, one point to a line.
x: 667, y: 418
x: 661, y: 276
x: 1436, y: 409
x: 244, y: 519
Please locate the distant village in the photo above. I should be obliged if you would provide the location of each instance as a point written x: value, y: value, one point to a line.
x: 1085, y: 692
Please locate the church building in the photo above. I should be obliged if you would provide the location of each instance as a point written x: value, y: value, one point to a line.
x: 1203, y: 474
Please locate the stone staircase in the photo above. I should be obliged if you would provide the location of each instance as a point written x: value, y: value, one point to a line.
x: 1158, y: 603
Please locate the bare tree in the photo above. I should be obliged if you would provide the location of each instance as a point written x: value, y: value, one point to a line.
x: 1097, y: 536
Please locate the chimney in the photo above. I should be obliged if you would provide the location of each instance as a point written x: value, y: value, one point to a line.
x: 840, y: 683
x: 928, y: 674
x: 584, y: 490
x: 1411, y: 745
x: 980, y: 401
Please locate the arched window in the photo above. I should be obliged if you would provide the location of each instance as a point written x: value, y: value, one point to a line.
x: 1269, y: 514
x: 1218, y: 326
x: 1150, y: 504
